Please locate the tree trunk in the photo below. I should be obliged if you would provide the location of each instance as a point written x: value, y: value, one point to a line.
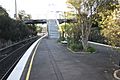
x: 86, y: 28
x: 85, y: 44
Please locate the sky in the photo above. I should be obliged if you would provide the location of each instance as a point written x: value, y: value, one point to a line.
x: 37, y: 8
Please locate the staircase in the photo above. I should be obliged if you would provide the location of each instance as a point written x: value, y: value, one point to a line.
x: 53, y: 28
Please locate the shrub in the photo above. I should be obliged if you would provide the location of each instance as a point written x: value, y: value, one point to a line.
x: 61, y: 39
x: 75, y: 47
x: 91, y: 49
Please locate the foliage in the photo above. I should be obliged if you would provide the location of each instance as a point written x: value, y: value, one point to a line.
x: 39, y: 29
x: 72, y: 33
x: 96, y: 36
x: 103, y: 12
x: 91, y: 49
x: 108, y: 19
x: 75, y: 47
x: 23, y: 16
x: 75, y: 3
x: 32, y: 29
x: 84, y: 16
x: 64, y: 30
x: 3, y: 12
x: 13, y: 30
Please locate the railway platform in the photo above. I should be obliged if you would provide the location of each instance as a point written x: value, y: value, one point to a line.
x: 52, y: 61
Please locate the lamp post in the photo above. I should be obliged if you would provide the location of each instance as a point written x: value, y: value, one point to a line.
x: 15, y: 9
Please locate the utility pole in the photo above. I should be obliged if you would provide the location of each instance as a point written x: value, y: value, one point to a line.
x: 15, y: 10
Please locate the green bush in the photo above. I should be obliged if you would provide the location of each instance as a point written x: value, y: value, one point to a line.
x: 61, y: 39
x: 75, y: 47
x: 91, y: 49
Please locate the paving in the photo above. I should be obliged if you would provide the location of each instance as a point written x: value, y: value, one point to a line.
x: 53, y: 61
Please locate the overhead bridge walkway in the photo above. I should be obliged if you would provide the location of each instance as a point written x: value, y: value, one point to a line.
x: 48, y: 60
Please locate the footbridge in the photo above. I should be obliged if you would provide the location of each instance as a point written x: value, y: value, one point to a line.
x: 52, y: 25
x: 44, y: 21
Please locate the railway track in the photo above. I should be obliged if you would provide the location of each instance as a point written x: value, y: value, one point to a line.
x: 10, y: 57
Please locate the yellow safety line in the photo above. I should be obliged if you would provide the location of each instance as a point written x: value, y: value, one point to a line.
x: 31, y: 62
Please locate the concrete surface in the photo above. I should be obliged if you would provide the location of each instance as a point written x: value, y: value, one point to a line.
x: 54, y: 62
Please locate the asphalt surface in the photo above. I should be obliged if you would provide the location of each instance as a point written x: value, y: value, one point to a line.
x: 53, y: 61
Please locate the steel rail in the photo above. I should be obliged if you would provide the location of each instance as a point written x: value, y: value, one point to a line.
x: 16, y: 55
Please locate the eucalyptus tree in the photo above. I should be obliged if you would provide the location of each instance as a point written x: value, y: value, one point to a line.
x: 85, y: 11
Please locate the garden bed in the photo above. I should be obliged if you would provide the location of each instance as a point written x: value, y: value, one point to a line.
x: 79, y: 52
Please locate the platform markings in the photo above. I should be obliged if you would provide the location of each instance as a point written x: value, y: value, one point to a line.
x: 31, y: 62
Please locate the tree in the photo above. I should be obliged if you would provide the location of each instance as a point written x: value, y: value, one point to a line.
x: 11, y: 29
x: 108, y: 19
x: 3, y: 12
x: 4, y: 17
x: 39, y: 28
x: 85, y: 12
x: 23, y: 16
x: 27, y: 17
